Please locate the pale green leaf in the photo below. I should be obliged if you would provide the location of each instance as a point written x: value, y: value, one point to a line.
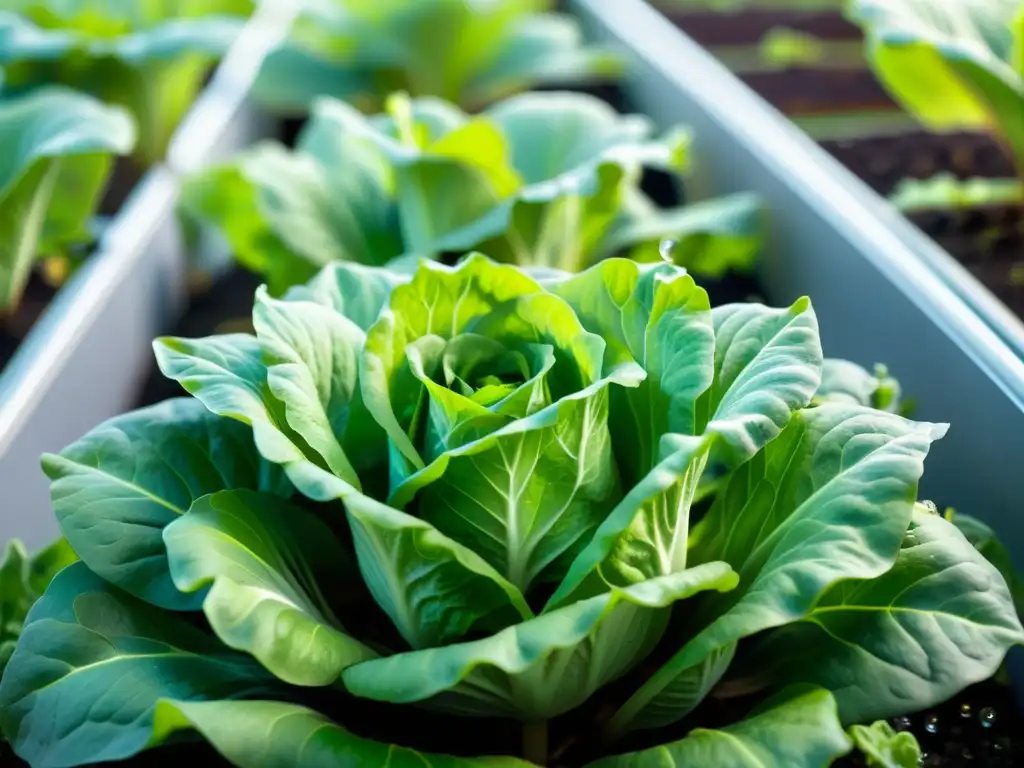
x: 228, y: 375
x: 543, y: 667
x: 767, y: 365
x: 434, y: 589
x: 527, y: 496
x: 795, y: 731
x: 58, y: 149
x: 440, y: 301
x: 312, y: 358
x: 268, y: 567
x: 949, y: 64
x: 257, y: 734
x: 884, y: 747
x: 657, y: 316
x: 646, y: 534
x: 826, y: 501
x: 357, y: 292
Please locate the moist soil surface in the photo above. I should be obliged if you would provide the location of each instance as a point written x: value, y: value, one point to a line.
x: 989, y: 241
x: 884, y: 161
x: 808, y: 91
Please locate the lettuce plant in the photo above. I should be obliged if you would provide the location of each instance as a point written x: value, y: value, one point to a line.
x: 23, y: 579
x: 955, y: 65
x: 470, y: 52
x: 543, y: 179
x: 415, y: 510
x: 56, y: 150
x: 149, y: 56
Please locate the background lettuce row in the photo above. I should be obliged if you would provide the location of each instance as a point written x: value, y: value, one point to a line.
x: 468, y: 53
x: 59, y: 148
x: 540, y: 179
x: 150, y: 57
x: 453, y: 492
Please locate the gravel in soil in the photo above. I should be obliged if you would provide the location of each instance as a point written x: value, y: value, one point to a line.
x: 980, y: 728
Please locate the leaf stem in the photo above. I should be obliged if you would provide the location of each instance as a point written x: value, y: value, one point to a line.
x: 535, y: 742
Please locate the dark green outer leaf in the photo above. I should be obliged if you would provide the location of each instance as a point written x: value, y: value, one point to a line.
x: 939, y: 620
x: 92, y: 664
x: 115, y: 489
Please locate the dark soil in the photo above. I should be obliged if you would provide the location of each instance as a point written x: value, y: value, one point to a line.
x: 989, y: 241
x: 215, y: 310
x: 123, y: 179
x: 15, y: 327
x: 747, y: 27
x: 884, y: 161
x: 807, y: 91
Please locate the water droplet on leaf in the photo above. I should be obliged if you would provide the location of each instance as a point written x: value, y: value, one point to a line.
x: 666, y: 248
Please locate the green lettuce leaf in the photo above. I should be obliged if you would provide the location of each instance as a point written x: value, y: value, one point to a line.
x: 92, y: 664
x: 246, y: 548
x: 544, y: 666
x: 797, y: 729
x: 57, y: 147
x: 467, y: 53
x: 116, y: 489
x: 149, y: 57
x: 955, y: 66
x: 941, y: 593
x: 818, y: 505
x: 884, y: 747
x: 254, y: 734
x: 425, y: 178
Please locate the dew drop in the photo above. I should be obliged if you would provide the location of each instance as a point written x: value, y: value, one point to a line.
x: 931, y: 723
x: 666, y: 248
x: 965, y: 710
x: 987, y: 716
x: 967, y: 754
